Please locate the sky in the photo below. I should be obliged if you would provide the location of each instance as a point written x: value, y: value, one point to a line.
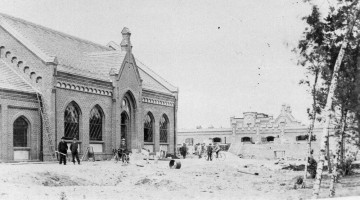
x: 226, y: 57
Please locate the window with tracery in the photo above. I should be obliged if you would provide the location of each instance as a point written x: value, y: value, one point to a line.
x: 125, y: 105
x: 148, y: 128
x: 96, y: 120
x: 164, y: 129
x: 20, y: 130
x: 71, y: 121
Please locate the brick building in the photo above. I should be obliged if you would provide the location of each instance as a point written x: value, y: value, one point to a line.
x: 54, y: 85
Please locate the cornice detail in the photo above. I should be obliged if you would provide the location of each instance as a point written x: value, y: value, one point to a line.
x: 157, y: 102
x: 83, y: 88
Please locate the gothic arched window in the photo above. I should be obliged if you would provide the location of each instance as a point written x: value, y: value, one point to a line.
x: 20, y: 130
x: 148, y: 128
x: 71, y: 121
x: 96, y: 120
x: 164, y: 125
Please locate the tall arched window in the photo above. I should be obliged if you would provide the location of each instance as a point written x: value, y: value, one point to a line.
x: 71, y: 121
x: 96, y: 120
x: 20, y: 130
x: 148, y: 128
x: 164, y: 128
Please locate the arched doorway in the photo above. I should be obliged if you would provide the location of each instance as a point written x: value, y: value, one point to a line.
x: 245, y: 139
x: 125, y: 126
x: 270, y: 139
x: 217, y: 140
x: 128, y: 122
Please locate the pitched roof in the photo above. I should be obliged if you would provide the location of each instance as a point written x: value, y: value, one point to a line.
x: 78, y: 56
x: 10, y: 80
x: 153, y: 80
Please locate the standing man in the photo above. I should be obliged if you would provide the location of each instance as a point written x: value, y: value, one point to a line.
x: 200, y: 150
x: 183, y: 150
x: 62, y: 148
x: 209, y: 152
x: 217, y: 149
x: 74, y: 151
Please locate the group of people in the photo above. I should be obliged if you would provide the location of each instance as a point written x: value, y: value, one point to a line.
x: 202, y: 149
x: 209, y: 150
x: 63, y: 148
x: 74, y: 146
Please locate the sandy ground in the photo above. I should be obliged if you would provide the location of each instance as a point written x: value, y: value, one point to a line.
x: 196, y: 179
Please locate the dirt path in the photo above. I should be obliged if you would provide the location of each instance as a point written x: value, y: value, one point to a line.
x: 197, y: 179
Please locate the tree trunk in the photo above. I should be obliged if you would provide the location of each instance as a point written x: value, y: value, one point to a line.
x: 328, y: 153
x: 311, y: 127
x: 327, y: 111
x: 334, y: 174
x: 342, y: 138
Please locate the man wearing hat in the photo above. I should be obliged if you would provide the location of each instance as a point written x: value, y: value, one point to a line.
x: 74, y: 151
x: 122, y: 149
x: 62, y: 148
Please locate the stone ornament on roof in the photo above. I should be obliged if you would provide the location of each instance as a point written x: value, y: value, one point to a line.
x: 125, y: 43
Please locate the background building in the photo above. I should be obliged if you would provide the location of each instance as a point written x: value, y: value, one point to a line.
x: 97, y: 94
x: 260, y: 135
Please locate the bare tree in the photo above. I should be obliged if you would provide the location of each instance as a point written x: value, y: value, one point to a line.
x: 329, y: 104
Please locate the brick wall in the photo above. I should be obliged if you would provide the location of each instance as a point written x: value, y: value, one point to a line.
x: 157, y: 111
x: 15, y: 105
x: 33, y: 70
x: 86, y: 102
x: 128, y: 86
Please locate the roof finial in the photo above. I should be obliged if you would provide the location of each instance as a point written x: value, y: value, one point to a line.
x: 125, y: 43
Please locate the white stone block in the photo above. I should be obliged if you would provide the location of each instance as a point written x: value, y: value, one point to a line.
x: 21, y: 155
x: 98, y: 148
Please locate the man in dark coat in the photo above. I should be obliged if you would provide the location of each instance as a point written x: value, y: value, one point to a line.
x: 62, y: 148
x: 183, y: 150
x: 209, y: 152
x: 74, y: 151
x: 122, y: 150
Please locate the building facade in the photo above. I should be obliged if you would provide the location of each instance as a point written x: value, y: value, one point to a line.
x: 54, y: 85
x: 260, y: 135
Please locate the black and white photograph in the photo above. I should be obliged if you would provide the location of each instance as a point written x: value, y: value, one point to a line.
x: 179, y: 99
